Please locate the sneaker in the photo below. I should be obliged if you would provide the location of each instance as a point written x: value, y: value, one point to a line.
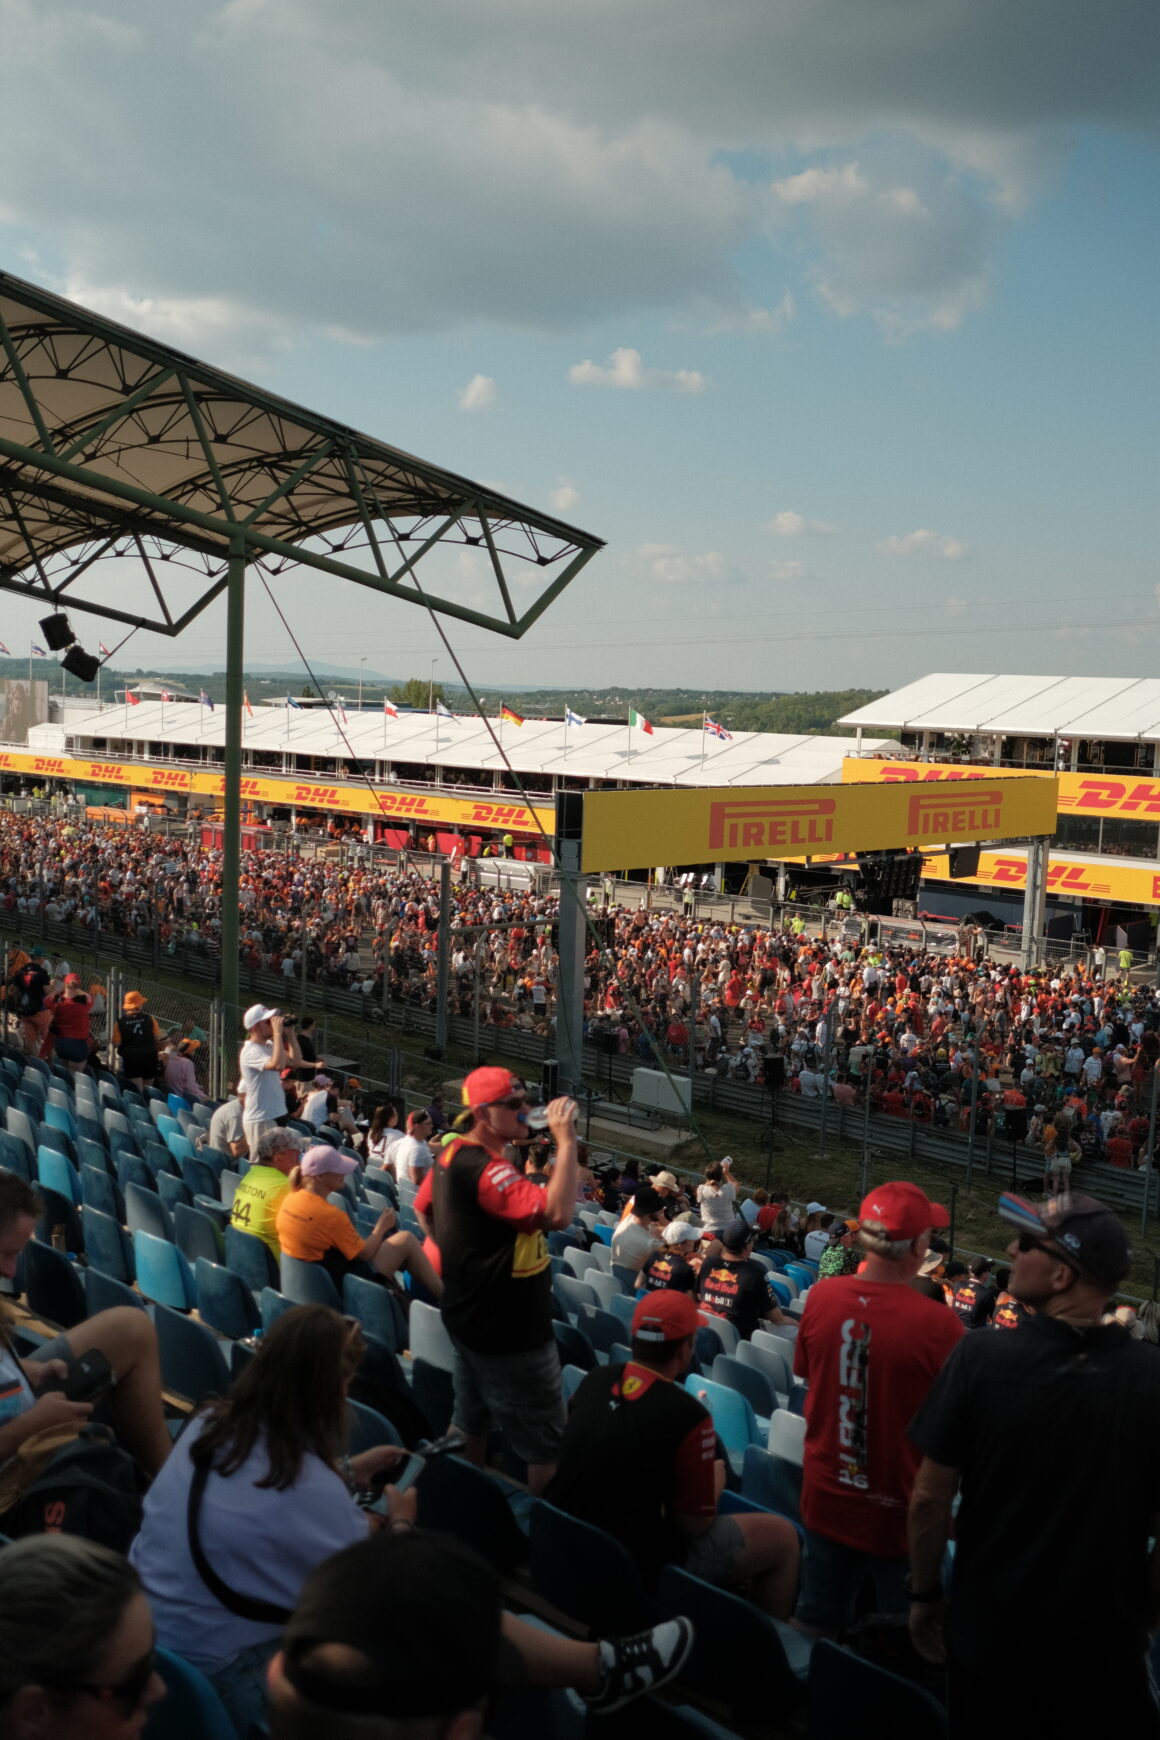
x: 638, y: 1664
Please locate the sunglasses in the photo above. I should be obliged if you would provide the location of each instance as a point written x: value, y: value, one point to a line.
x: 128, y: 1693
x: 515, y: 1104
x: 1028, y: 1242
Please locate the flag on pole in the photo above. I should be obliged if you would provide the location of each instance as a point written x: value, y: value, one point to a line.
x: 165, y: 696
x: 133, y: 700
x: 205, y: 700
x: 246, y: 701
x: 442, y: 711
x: 638, y: 721
x: 291, y: 702
x: 391, y: 712
x: 4, y: 649
x: 716, y: 730
x: 341, y: 705
x: 102, y: 648
x: 38, y: 652
x: 571, y: 718
x: 510, y: 714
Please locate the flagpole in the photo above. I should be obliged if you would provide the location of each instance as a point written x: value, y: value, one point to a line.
x: 565, y: 733
x: 703, y: 736
x: 630, y: 734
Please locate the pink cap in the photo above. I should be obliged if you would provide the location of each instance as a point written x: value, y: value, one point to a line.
x: 323, y: 1161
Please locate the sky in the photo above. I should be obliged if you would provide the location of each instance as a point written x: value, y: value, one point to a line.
x: 836, y: 319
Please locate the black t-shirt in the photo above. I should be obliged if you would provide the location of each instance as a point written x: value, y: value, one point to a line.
x: 737, y: 1291
x: 652, y: 1443
x: 31, y: 984
x: 966, y: 1296
x: 1055, y: 1431
x: 668, y: 1270
x: 497, y: 1277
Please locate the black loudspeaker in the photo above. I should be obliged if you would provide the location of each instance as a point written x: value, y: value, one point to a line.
x: 56, y: 631
x: 569, y: 815
x: 965, y: 861
x: 81, y: 664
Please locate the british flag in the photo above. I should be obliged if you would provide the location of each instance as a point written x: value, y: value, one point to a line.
x: 716, y: 730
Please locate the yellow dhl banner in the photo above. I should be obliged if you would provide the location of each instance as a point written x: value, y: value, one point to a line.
x: 1082, y: 794
x: 1105, y: 880
x: 389, y: 802
x: 626, y: 829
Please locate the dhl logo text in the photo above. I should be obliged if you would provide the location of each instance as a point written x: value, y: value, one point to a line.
x: 899, y: 772
x: 791, y: 822
x: 1127, y: 797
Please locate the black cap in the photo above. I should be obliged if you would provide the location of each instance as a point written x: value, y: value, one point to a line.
x: 1094, y: 1237
x: 737, y: 1234
x: 398, y: 1599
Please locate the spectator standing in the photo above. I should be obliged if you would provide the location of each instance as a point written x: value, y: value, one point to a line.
x: 138, y: 1038
x: 489, y: 1223
x: 71, y: 1040
x: 993, y: 1425
x: 717, y: 1197
x: 268, y: 1050
x: 30, y: 986
x: 869, y: 1347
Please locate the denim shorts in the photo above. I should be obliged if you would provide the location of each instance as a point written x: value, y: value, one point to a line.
x: 519, y: 1392
x: 833, y: 1575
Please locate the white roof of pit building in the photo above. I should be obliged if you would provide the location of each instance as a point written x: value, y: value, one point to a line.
x: 1123, y: 708
x: 670, y: 756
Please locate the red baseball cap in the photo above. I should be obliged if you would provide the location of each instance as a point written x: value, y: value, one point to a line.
x: 665, y: 1316
x: 485, y: 1086
x: 903, y: 1210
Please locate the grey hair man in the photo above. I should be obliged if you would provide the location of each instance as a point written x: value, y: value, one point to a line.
x: 259, y: 1195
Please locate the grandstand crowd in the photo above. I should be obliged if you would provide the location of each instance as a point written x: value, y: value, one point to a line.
x: 1061, y: 1060
x: 659, y: 1393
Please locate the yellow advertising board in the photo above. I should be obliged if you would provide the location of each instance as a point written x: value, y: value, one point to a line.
x: 391, y: 803
x: 625, y: 829
x: 1080, y: 794
x: 1091, y: 878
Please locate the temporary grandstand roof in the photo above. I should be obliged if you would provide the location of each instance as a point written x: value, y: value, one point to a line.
x: 112, y: 444
x: 1123, y: 708
x: 590, y: 751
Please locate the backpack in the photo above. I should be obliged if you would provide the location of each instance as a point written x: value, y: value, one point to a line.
x: 24, y: 998
x: 89, y: 1487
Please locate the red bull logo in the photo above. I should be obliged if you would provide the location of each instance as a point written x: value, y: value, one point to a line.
x: 763, y: 825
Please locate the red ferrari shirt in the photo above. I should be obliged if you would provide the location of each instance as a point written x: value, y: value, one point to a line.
x: 870, y: 1351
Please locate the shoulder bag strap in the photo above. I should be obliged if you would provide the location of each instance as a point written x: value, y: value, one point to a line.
x: 245, y: 1606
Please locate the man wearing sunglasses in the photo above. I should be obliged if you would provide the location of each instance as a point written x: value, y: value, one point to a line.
x: 1052, y: 1436
x: 489, y: 1222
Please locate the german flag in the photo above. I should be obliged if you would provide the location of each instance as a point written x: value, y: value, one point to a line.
x: 510, y: 714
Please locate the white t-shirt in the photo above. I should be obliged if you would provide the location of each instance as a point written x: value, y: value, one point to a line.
x: 814, y: 1244
x: 409, y: 1154
x: 260, y: 1542
x: 383, y: 1147
x: 314, y: 1107
x: 716, y: 1202
x: 265, y: 1097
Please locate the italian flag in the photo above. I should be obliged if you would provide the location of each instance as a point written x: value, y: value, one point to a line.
x: 637, y: 721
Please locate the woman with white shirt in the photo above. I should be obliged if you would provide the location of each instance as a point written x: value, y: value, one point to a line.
x: 717, y: 1196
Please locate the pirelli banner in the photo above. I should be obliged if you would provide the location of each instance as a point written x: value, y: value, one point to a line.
x: 626, y: 829
x: 390, y: 802
x: 1080, y: 794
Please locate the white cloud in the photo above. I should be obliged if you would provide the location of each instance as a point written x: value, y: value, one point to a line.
x: 440, y: 167
x: 788, y: 571
x: 747, y: 322
x: 923, y: 543
x: 625, y: 369
x: 478, y: 394
x: 790, y: 524
x: 565, y: 497
x: 674, y: 567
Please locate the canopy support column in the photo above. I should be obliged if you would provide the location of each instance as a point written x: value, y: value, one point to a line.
x: 1034, y: 902
x: 570, y: 985
x: 232, y: 829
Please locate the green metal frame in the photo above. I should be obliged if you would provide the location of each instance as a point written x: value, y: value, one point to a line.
x: 258, y: 480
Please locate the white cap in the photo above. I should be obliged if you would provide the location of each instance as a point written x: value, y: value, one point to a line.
x: 679, y: 1232
x: 255, y: 1013
x: 815, y: 1208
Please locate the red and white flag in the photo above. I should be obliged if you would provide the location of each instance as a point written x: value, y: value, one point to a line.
x: 391, y: 712
x: 638, y: 721
x: 246, y: 699
x: 102, y: 648
x: 133, y: 700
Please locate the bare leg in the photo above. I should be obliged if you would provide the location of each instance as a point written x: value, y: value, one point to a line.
x: 769, y: 1561
x: 402, y: 1250
x: 539, y: 1474
x: 128, y: 1340
x: 551, y: 1661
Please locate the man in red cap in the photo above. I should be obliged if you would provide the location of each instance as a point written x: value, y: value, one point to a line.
x: 489, y: 1222
x: 870, y: 1346
x: 636, y: 1429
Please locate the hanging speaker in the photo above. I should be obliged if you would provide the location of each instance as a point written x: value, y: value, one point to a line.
x: 56, y: 631
x: 80, y: 664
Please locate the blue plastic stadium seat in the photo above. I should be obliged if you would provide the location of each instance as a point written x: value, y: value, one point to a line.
x: 177, y: 1103
x: 730, y: 1634
x: 433, y: 1391
x: 376, y: 1309
x: 108, y: 1246
x: 224, y: 1301
x: 193, y: 1363
x: 56, y: 1139
x: 53, y: 1286
x: 460, y: 1499
x: 58, y: 1118
x: 273, y: 1305
x: 308, y: 1283
x: 145, y: 1212
x: 192, y: 1710
x: 15, y: 1155
x: 603, y: 1328
x: 100, y: 1191
x: 196, y: 1234
x: 104, y: 1293
x: 840, y: 1681
x: 21, y: 1126
x: 159, y: 1159
x: 180, y: 1147
x: 163, y: 1274
x: 57, y: 1172
x: 574, y: 1346
x: 733, y: 1419
x: 747, y: 1381
x: 131, y: 1169
x: 173, y: 1190
x: 586, y: 1573
x: 251, y: 1258
x: 772, y: 1481
x: 366, y: 1428
x: 201, y: 1177
x: 570, y: 1294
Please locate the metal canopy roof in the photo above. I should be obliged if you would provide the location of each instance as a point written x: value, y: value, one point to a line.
x: 589, y: 751
x: 114, y: 444
x: 1120, y: 708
